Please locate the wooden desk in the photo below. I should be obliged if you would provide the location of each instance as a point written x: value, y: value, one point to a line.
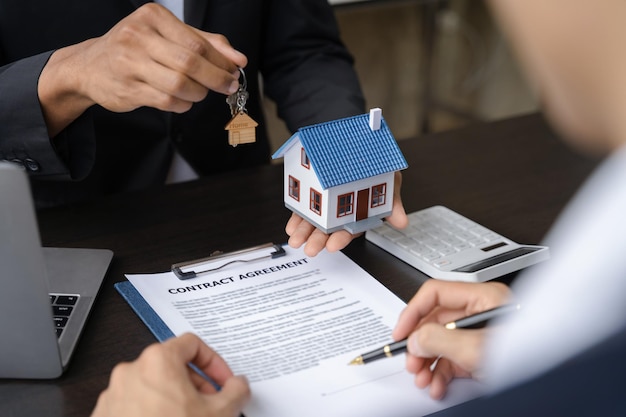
x: 513, y: 176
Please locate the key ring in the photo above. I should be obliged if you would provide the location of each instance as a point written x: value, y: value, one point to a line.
x: 243, y: 86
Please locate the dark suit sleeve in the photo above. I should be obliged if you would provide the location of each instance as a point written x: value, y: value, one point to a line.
x: 306, y: 68
x: 23, y: 132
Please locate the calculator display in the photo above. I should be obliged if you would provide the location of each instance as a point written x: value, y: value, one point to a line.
x: 496, y: 246
x: 494, y: 260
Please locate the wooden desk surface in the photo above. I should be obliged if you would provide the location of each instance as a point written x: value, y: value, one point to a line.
x: 513, y: 176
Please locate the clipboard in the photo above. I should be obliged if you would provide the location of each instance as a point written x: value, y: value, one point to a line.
x: 219, y: 260
x: 291, y: 289
x: 141, y: 307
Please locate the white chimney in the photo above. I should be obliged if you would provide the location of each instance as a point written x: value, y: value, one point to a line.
x: 375, y: 116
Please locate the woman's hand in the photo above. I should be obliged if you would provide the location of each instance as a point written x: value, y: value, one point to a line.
x: 437, y: 355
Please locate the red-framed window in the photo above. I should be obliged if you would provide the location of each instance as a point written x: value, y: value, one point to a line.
x: 379, y: 195
x: 345, y: 204
x: 304, y: 159
x: 294, y: 188
x: 316, y: 202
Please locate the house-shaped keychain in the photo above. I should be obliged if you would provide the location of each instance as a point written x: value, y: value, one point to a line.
x: 241, y: 129
x: 340, y: 174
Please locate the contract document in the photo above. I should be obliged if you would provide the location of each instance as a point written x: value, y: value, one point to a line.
x: 292, y: 324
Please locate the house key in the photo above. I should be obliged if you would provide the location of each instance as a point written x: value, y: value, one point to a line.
x: 237, y: 100
x: 241, y: 128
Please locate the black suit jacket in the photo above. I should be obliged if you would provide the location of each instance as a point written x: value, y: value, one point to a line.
x: 293, y: 45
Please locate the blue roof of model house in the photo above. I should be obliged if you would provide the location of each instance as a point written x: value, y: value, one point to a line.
x: 347, y: 150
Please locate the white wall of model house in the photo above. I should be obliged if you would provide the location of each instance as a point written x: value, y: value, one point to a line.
x: 328, y: 219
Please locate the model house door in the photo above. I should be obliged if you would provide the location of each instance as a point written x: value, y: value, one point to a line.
x: 362, y: 204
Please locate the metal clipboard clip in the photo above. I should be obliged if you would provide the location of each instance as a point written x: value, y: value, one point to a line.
x: 265, y: 249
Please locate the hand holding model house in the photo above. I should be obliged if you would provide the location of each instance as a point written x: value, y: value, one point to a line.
x: 341, y: 178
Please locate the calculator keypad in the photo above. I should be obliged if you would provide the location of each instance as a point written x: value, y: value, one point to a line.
x: 436, y: 234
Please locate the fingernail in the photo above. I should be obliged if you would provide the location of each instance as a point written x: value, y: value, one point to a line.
x: 234, y: 86
x: 242, y: 56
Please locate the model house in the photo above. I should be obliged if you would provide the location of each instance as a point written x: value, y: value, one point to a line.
x: 241, y: 129
x: 340, y: 174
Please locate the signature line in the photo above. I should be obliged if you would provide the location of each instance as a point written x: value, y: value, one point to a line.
x: 324, y: 394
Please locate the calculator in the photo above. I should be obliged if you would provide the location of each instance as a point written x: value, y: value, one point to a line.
x: 446, y: 245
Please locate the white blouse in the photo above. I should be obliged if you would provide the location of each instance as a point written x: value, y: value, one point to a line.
x: 578, y: 297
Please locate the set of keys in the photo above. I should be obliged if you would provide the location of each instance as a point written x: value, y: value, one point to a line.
x: 241, y: 128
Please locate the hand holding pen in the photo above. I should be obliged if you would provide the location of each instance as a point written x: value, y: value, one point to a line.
x: 437, y: 355
x: 474, y: 321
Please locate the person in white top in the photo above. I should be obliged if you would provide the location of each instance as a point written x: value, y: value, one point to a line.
x: 573, y: 53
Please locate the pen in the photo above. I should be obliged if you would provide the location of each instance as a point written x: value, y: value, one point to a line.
x: 478, y: 320
x: 386, y: 351
x: 474, y: 321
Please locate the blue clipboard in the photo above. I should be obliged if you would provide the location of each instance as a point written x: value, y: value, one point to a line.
x: 144, y: 311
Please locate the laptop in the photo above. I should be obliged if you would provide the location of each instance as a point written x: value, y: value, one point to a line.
x: 38, y: 339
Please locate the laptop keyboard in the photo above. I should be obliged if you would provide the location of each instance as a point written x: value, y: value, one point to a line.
x: 62, y: 307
